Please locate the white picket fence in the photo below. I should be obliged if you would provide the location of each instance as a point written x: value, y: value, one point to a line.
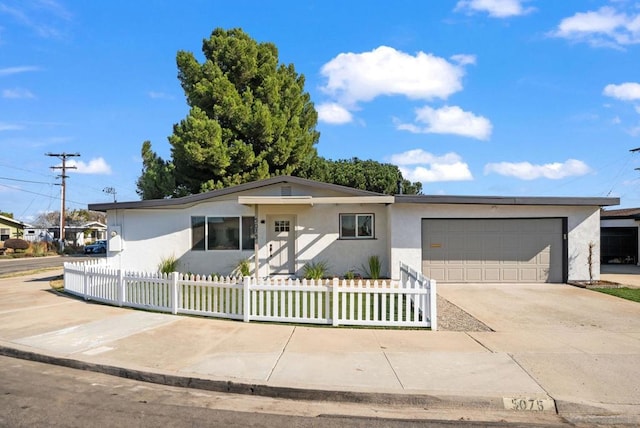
x: 410, y: 302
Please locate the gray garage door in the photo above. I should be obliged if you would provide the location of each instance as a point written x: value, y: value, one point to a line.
x: 493, y: 250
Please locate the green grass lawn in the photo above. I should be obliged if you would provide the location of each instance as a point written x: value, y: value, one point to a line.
x: 625, y: 293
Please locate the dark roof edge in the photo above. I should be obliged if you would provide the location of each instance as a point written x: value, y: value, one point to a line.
x: 192, y: 199
x: 506, y: 200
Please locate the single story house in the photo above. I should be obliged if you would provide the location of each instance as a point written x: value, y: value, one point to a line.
x: 10, y: 228
x: 619, y: 236
x: 282, y: 223
x: 76, y: 234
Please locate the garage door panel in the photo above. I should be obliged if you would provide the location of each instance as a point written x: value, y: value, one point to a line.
x: 494, y: 250
x: 509, y: 274
x: 492, y: 275
x: 473, y: 274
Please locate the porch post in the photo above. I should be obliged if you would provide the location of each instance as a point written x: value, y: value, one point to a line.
x: 256, y: 245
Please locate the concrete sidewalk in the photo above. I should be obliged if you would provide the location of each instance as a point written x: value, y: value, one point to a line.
x: 547, y: 368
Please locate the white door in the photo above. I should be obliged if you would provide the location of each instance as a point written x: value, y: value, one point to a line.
x: 281, y: 245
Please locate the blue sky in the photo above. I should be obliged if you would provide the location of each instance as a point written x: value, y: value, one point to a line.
x: 470, y: 97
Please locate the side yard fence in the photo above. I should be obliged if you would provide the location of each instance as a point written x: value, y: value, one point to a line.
x: 410, y: 302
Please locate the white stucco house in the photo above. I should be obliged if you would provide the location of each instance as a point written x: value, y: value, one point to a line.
x: 282, y: 223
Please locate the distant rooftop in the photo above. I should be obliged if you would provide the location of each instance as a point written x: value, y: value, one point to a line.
x: 621, y: 213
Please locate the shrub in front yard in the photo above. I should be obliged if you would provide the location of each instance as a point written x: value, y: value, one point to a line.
x: 315, y: 270
x: 168, y: 265
x: 16, y: 244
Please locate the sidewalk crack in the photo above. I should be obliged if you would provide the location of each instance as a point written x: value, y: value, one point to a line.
x: 393, y: 370
x: 284, y: 348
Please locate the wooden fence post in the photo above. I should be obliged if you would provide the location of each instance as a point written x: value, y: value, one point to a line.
x: 334, y: 304
x: 85, y: 282
x: 121, y: 287
x: 174, y: 292
x: 246, y: 297
x: 433, y: 312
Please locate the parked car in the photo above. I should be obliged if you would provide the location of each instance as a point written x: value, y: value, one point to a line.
x: 96, y: 248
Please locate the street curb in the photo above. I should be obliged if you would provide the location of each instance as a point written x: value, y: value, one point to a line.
x: 424, y: 400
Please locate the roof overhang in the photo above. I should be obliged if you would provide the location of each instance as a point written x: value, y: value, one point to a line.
x: 310, y: 200
x: 507, y: 200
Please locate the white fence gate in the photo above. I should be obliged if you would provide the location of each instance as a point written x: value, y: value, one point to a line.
x: 410, y: 302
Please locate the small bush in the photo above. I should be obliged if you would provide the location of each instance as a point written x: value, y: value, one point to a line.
x: 374, y: 267
x: 243, y: 268
x: 16, y: 244
x: 315, y: 270
x: 168, y: 265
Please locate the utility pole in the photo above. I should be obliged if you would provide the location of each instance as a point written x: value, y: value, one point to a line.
x: 111, y: 191
x: 62, y: 156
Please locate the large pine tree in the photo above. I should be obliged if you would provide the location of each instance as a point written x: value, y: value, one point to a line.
x: 250, y: 119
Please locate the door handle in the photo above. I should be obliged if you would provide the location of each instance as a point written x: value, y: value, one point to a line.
x: 270, y: 250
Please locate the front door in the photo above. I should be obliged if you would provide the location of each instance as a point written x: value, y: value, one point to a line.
x: 281, y: 245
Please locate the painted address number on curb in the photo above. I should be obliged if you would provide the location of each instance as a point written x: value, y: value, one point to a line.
x: 528, y: 404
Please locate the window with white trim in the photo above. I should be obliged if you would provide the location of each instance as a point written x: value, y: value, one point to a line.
x: 222, y: 233
x: 357, y: 226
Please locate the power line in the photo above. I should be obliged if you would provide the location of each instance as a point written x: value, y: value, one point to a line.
x: 23, y: 181
x: 41, y: 194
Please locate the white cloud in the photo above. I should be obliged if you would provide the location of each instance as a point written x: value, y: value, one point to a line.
x: 8, y: 71
x: 160, y: 95
x: 333, y: 113
x: 449, y: 120
x: 95, y: 166
x: 495, y: 8
x: 356, y: 77
x: 628, y: 91
x: 47, y: 18
x: 10, y: 127
x: 17, y: 93
x: 606, y: 27
x: 418, y: 165
x: 463, y: 59
x: 528, y: 171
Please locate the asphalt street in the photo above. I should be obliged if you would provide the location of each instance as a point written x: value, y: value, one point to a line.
x: 29, y: 264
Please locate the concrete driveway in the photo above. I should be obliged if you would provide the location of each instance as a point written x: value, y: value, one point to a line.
x: 581, y: 346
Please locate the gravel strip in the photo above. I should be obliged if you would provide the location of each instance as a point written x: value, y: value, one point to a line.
x: 452, y: 318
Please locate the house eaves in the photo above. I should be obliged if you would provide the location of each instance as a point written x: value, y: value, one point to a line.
x: 506, y: 200
x: 194, y: 199
x: 309, y: 200
x: 13, y: 221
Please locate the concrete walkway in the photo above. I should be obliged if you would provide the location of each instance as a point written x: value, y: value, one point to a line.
x: 627, y: 275
x: 557, y: 347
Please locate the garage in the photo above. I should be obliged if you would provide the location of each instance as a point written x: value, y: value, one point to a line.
x: 494, y: 250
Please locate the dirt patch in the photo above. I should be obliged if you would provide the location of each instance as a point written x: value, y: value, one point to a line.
x: 596, y: 284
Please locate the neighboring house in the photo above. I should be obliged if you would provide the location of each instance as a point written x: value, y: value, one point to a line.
x: 619, y: 236
x: 282, y: 223
x: 10, y: 228
x: 76, y: 234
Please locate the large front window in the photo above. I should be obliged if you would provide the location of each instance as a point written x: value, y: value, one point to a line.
x: 222, y: 233
x: 356, y: 226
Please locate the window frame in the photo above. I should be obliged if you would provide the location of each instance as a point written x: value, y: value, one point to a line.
x: 242, y: 221
x: 357, y: 235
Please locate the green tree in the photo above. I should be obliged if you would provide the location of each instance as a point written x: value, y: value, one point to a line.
x: 249, y: 119
x: 6, y: 214
x: 361, y: 174
x: 156, y: 181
